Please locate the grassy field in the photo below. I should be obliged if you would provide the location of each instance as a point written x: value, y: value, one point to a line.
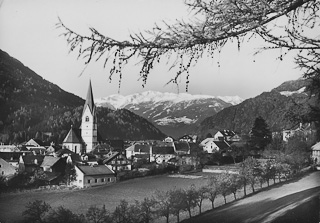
x: 78, y: 201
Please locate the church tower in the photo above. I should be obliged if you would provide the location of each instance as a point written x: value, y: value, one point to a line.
x: 89, y: 127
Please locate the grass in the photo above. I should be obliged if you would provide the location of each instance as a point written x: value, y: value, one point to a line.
x: 78, y: 201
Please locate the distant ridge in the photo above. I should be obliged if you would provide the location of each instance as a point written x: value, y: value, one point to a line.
x: 174, y: 114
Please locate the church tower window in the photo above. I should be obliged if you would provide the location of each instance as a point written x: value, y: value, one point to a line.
x: 87, y: 118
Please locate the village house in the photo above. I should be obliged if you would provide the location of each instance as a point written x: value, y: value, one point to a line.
x: 304, y: 130
x: 30, y: 163
x: 7, y: 170
x: 316, y: 153
x: 117, y: 162
x: 94, y: 175
x: 226, y: 135
x: 182, y: 147
x: 211, y: 145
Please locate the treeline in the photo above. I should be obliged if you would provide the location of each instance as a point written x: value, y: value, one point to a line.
x: 253, y: 173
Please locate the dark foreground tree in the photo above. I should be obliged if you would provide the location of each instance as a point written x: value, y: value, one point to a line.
x: 260, y: 135
x: 215, y: 23
x: 36, y: 211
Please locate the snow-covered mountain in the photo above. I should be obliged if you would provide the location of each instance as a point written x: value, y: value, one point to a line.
x: 174, y: 114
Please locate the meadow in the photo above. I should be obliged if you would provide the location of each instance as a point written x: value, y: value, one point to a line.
x: 78, y: 201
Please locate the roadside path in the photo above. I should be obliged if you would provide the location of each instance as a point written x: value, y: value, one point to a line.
x: 297, y: 201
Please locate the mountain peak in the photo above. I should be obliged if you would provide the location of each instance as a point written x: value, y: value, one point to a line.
x: 120, y: 101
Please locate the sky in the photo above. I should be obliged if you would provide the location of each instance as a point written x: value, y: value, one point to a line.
x: 28, y: 33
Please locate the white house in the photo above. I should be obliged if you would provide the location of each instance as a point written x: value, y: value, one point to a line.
x: 211, y: 145
x: 6, y: 169
x: 316, y: 153
x: 94, y: 175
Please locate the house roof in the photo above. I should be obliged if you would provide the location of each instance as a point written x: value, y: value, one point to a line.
x: 49, y: 161
x: 63, y: 151
x: 227, y: 132
x: 73, y: 136
x: 9, y: 148
x: 110, y: 157
x: 316, y: 146
x: 162, y: 149
x: 89, y: 100
x: 35, y: 142
x: 95, y: 170
x: 142, y: 148
x: 30, y: 159
x: 221, y: 144
x: 101, y: 148
x: 182, y: 146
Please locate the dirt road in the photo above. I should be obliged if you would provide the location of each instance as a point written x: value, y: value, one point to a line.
x: 296, y: 201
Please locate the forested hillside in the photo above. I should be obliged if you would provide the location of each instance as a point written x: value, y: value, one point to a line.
x: 30, y: 104
x: 279, y: 107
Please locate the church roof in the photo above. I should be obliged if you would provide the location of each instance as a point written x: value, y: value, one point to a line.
x: 73, y: 136
x: 89, y: 99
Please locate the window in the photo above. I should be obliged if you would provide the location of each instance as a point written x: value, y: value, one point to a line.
x: 89, y: 181
x: 80, y: 181
x: 2, y: 172
x: 102, y: 179
x: 96, y: 180
x: 0, y: 166
x: 87, y: 118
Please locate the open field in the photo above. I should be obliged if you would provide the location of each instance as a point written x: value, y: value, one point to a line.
x: 78, y: 201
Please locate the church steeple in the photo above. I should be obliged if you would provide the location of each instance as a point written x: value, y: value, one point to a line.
x: 89, y: 100
x: 89, y: 127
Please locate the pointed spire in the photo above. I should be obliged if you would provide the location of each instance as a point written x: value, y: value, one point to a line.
x: 89, y: 99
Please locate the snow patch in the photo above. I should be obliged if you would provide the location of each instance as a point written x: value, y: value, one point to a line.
x: 289, y: 93
x: 169, y: 120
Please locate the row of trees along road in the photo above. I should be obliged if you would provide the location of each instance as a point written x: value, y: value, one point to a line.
x: 166, y: 204
x: 216, y: 23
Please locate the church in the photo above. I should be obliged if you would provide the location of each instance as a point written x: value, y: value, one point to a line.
x: 83, y: 140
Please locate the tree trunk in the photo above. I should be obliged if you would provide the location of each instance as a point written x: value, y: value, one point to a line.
x: 244, y: 190
x: 268, y: 182
x: 235, y: 195
x: 200, y: 208
x: 252, y: 186
x: 212, y: 203
x: 225, y: 199
x: 189, y: 210
x: 178, y: 217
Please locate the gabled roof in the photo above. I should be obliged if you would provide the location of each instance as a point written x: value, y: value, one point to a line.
x: 142, y: 148
x: 316, y: 146
x: 89, y: 100
x: 101, y: 149
x: 182, y: 146
x: 95, y: 170
x: 111, y: 156
x: 49, y: 161
x: 63, y: 151
x: 73, y: 136
x: 162, y: 150
x: 35, y: 142
x: 222, y: 144
x: 227, y: 132
x: 30, y: 159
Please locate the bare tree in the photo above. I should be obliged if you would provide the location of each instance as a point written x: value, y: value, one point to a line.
x: 215, y: 23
